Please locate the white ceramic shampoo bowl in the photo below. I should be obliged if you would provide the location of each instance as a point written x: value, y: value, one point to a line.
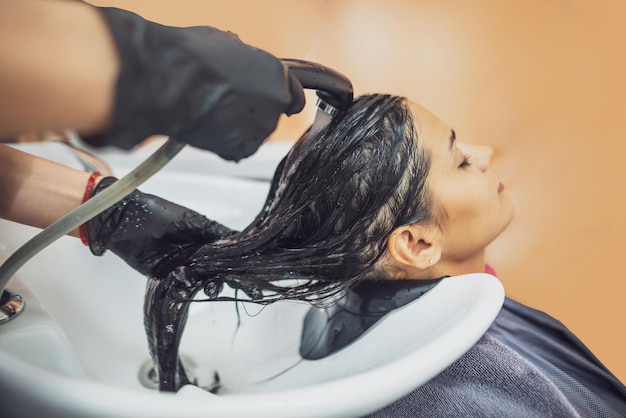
x: 78, y: 348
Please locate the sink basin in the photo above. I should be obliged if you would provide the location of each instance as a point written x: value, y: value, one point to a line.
x: 79, y: 348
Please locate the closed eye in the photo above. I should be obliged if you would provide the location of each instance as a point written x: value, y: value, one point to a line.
x: 466, y: 161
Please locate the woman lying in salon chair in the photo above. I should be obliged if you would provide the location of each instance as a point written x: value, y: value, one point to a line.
x: 384, y: 193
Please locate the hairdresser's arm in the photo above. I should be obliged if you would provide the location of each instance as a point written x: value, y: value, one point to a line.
x: 35, y: 191
x: 58, y: 67
x: 118, y: 78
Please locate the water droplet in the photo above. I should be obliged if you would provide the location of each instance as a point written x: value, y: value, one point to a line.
x: 213, y: 288
x: 255, y: 293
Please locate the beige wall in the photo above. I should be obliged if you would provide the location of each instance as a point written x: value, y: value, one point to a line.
x: 541, y: 81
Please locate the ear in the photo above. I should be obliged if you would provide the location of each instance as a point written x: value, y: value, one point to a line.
x: 414, y: 246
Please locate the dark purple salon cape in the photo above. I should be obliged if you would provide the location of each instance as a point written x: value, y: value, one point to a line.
x: 527, y: 365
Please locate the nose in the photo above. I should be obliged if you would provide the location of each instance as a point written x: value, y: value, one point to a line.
x: 484, y: 156
x: 479, y: 154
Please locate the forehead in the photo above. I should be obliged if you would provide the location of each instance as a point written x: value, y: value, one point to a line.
x: 429, y: 127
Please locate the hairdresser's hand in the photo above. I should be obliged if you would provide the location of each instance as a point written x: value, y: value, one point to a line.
x: 150, y: 234
x: 199, y: 85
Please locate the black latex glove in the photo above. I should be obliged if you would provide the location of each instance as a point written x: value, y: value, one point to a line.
x: 150, y: 234
x: 199, y: 85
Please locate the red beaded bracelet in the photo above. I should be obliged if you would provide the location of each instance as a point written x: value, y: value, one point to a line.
x: 91, y: 183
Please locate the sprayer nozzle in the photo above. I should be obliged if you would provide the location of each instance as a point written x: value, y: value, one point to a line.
x: 326, y: 107
x: 333, y: 88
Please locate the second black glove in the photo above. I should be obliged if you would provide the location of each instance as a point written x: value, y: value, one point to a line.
x: 152, y: 235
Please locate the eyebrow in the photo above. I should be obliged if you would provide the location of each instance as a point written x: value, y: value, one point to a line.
x: 452, y: 139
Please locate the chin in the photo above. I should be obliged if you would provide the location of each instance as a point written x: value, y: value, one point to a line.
x: 507, y: 214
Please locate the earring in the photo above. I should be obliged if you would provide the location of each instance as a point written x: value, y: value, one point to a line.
x: 430, y: 261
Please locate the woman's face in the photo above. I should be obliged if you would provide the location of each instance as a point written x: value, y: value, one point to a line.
x: 471, y: 206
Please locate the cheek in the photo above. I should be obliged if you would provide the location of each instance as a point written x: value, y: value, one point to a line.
x: 474, y: 218
x: 468, y: 201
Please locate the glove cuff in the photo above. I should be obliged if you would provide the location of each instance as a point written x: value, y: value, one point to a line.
x: 93, y: 227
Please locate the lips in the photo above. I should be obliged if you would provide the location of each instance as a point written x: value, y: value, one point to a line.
x: 500, y: 188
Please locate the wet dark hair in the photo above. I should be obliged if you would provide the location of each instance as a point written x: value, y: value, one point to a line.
x: 334, y: 201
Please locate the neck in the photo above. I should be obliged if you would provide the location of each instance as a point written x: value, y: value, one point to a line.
x: 443, y: 267
x: 473, y: 264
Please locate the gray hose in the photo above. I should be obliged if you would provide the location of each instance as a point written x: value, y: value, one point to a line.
x: 89, y: 209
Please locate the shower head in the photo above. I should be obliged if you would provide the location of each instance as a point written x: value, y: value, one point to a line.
x: 334, y: 90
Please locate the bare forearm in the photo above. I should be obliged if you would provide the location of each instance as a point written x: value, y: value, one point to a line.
x: 58, y: 69
x: 35, y: 191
